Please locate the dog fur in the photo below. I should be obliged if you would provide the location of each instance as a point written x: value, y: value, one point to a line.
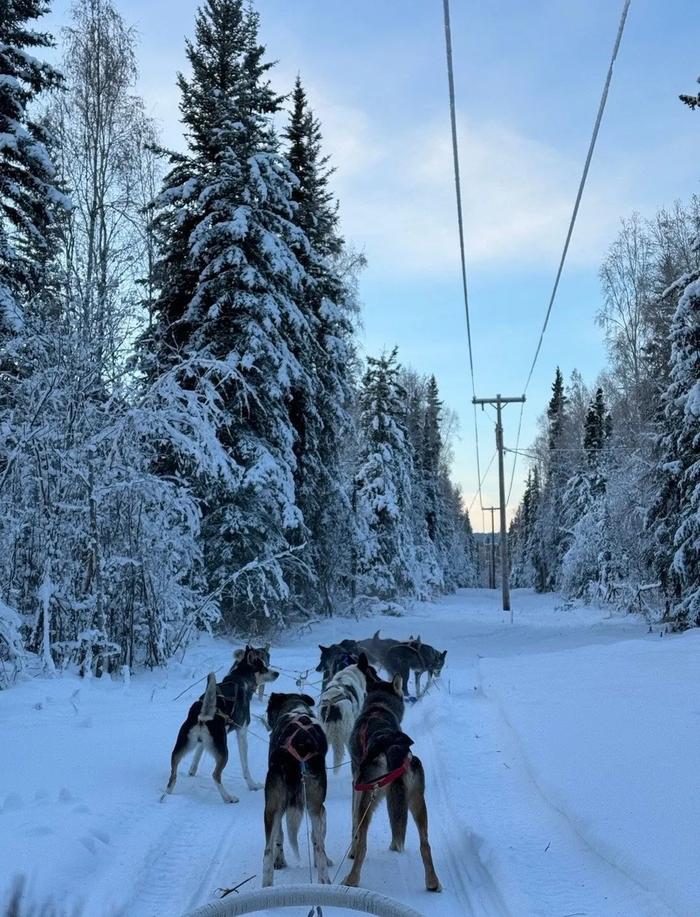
x: 222, y: 708
x: 376, y: 649
x: 377, y: 747
x: 335, y: 658
x: 290, y: 784
x: 339, y: 707
x: 264, y: 653
x: 417, y: 657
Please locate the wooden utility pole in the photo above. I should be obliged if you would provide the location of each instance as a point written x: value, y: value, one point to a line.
x: 498, y: 403
x: 492, y: 570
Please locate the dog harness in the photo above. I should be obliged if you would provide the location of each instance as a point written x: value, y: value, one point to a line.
x: 303, y: 723
x: 386, y: 779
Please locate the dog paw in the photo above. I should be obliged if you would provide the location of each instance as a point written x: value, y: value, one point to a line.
x: 280, y: 864
x: 231, y: 799
x: 350, y: 881
x: 433, y: 885
x: 324, y: 880
x: 255, y: 786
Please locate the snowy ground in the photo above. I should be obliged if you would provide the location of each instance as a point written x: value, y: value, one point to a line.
x: 561, y: 753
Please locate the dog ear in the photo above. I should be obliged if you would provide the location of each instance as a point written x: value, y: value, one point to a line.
x: 444, y: 655
x: 397, y: 685
x: 238, y: 655
x: 363, y: 663
x: 418, y: 641
x: 250, y: 655
x: 309, y: 701
x: 376, y: 634
x: 323, y: 648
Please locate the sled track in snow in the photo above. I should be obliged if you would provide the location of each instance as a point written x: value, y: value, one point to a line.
x: 456, y: 848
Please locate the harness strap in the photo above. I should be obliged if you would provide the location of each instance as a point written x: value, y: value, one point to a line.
x: 301, y: 726
x: 386, y: 779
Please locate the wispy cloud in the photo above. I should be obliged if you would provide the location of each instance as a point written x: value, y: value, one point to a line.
x: 397, y: 194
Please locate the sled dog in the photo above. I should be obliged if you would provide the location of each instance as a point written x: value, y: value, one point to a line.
x: 296, y: 775
x: 382, y: 765
x: 336, y: 657
x: 376, y: 649
x: 417, y: 657
x: 222, y: 708
x: 339, y: 707
x: 264, y: 653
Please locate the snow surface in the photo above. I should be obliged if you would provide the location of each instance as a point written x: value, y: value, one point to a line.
x: 561, y: 755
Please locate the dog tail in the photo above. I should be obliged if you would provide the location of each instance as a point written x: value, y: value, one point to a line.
x: 397, y: 751
x: 208, y: 711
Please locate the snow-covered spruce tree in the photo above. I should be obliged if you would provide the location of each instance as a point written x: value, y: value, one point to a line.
x: 321, y: 399
x: 676, y: 513
x: 586, y: 561
x: 28, y: 192
x: 29, y: 203
x: 549, y: 536
x: 428, y: 570
x: 230, y: 282
x: 386, y: 558
x: 522, y: 533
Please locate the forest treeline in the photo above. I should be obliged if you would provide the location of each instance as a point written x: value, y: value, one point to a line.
x: 611, y: 508
x: 188, y: 437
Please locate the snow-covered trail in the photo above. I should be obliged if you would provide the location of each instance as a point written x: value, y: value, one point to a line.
x: 83, y: 764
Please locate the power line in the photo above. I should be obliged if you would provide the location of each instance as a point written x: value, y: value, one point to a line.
x: 460, y: 223
x: 572, y: 222
x: 582, y: 185
x: 478, y: 492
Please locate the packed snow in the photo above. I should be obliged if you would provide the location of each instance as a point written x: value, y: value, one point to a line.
x: 560, y: 751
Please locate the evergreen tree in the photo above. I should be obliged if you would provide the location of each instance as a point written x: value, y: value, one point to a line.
x: 383, y: 497
x: 676, y: 513
x: 231, y: 278
x: 549, y: 536
x: 430, y: 457
x: 320, y: 405
x: 28, y: 193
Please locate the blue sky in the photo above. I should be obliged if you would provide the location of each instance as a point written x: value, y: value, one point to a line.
x: 528, y: 79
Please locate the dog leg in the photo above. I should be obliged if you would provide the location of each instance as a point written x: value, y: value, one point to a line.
x: 279, y: 861
x: 338, y: 752
x: 416, y: 803
x: 199, y: 751
x: 261, y: 692
x: 273, y: 822
x: 318, y: 839
x: 416, y: 678
x: 364, y: 816
x: 294, y: 817
x: 221, y: 758
x: 183, y: 744
x: 354, y: 802
x: 242, y: 739
x: 398, y: 814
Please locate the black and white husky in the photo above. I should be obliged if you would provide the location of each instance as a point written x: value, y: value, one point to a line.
x: 339, y: 707
x: 296, y: 777
x: 222, y: 708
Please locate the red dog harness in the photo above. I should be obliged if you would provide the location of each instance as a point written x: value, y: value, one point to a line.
x: 301, y: 727
x: 381, y: 782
